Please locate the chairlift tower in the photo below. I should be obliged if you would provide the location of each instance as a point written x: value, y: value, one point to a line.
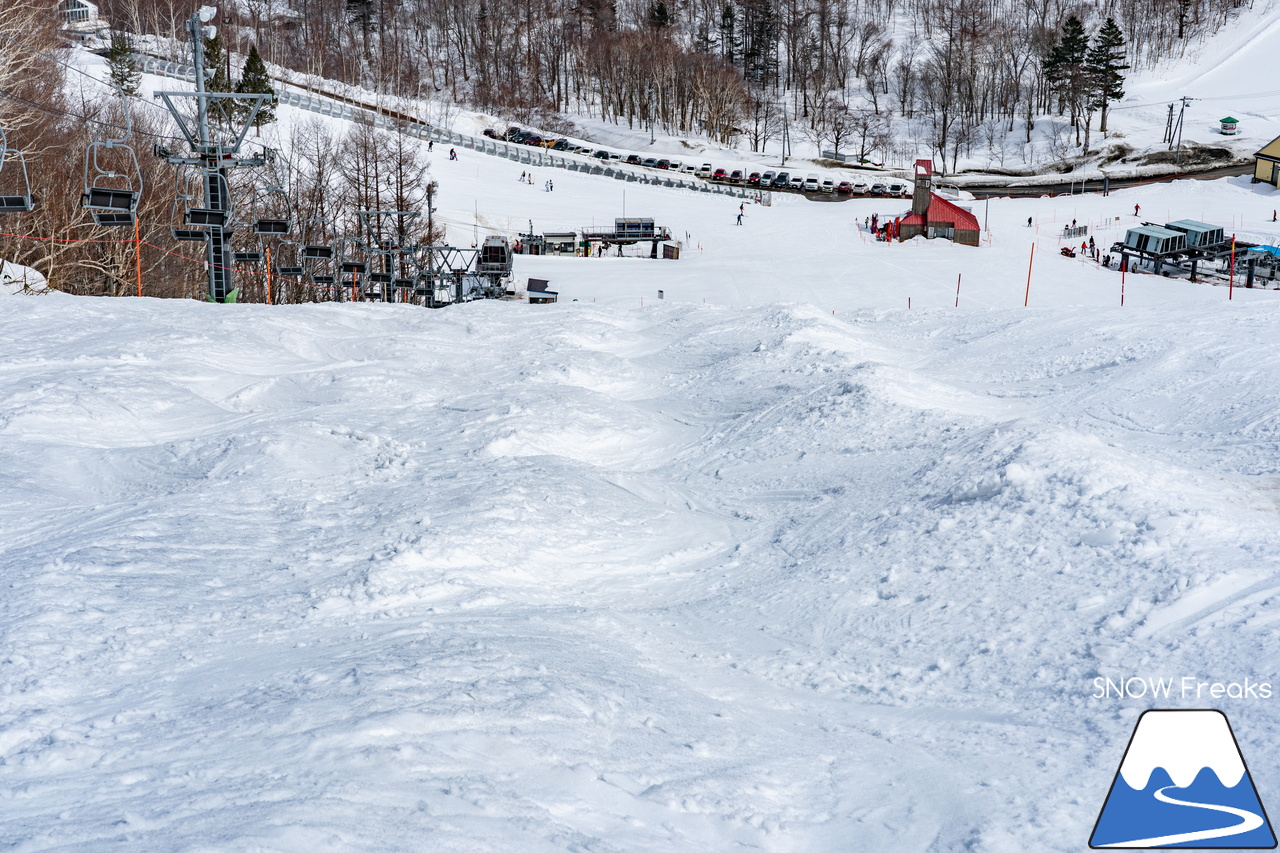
x: 213, y: 152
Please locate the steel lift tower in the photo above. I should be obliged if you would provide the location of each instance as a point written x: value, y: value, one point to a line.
x: 214, y: 150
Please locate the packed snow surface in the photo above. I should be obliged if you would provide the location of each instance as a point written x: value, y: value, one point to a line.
x: 686, y: 577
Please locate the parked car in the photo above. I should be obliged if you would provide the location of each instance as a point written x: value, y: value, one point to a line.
x: 663, y: 164
x: 562, y: 145
x: 754, y: 179
x: 879, y: 188
x: 550, y: 142
x: 533, y: 139
x: 860, y: 186
x: 766, y: 178
x: 796, y: 183
x: 601, y: 155
x: 719, y: 175
x: 520, y: 137
x: 704, y: 171
x: 613, y: 155
x: 783, y: 181
x: 828, y: 185
x: 634, y: 159
x: 811, y: 184
x: 512, y: 133
x: 676, y: 166
x: 491, y: 133
x: 735, y: 177
x: 897, y: 188
x: 844, y: 188
x: 582, y: 149
x: 689, y: 169
x: 649, y: 162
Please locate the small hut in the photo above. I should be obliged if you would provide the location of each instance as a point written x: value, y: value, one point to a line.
x: 934, y: 216
x: 1230, y: 126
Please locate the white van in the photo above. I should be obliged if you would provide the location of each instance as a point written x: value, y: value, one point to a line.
x: 705, y: 170
x: 811, y: 184
x: 688, y: 168
x: 828, y: 186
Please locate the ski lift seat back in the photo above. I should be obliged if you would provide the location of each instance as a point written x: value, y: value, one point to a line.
x: 22, y: 201
x: 317, y: 252
x: 16, y: 203
x: 272, y: 226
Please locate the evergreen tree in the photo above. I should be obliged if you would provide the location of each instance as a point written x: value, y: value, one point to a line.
x: 730, y: 41
x: 120, y: 64
x: 215, y: 66
x: 659, y: 15
x: 255, y: 81
x: 1065, y: 70
x: 1105, y: 62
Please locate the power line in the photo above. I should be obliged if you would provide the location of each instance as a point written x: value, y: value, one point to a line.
x: 81, y: 71
x: 54, y: 111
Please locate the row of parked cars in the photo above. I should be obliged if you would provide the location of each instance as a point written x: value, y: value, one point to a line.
x: 768, y: 179
x: 811, y: 183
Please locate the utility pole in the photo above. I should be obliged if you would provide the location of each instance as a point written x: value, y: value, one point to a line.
x: 1168, y: 128
x: 1177, y: 160
x: 213, y: 153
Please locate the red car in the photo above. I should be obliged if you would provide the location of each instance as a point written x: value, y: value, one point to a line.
x: 735, y: 177
x: 754, y: 179
x: 719, y: 175
x: 844, y: 188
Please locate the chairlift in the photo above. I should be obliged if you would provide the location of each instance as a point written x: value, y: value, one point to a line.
x: 264, y: 222
x: 293, y: 269
x: 247, y: 257
x: 22, y: 201
x: 177, y: 218
x: 111, y: 197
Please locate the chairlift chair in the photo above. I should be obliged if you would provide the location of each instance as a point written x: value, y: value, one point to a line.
x: 177, y: 217
x: 22, y: 201
x: 266, y: 217
x: 294, y: 269
x: 247, y: 257
x: 111, y: 197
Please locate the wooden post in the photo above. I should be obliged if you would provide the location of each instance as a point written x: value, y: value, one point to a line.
x: 137, y: 250
x: 355, y: 284
x: 268, y: 275
x: 958, y: 289
x: 1027, y: 298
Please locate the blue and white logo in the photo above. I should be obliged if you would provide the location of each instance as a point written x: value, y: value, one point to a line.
x: 1183, y: 783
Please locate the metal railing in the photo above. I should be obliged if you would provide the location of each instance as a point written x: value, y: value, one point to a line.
x: 335, y: 107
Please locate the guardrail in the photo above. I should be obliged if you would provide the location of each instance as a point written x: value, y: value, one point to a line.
x: 347, y: 109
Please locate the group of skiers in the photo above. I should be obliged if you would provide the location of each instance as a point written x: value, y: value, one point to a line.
x: 527, y: 178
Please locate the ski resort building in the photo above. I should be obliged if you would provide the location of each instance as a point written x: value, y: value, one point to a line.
x: 934, y: 216
x: 1266, y: 164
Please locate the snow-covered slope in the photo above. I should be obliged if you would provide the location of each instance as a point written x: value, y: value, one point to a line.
x: 686, y: 577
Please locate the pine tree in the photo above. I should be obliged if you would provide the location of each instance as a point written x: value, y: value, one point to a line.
x: 1105, y: 62
x: 120, y: 64
x: 1065, y: 69
x: 215, y: 66
x: 255, y: 81
x: 659, y: 15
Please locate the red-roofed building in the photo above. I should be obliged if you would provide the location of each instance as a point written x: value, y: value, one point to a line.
x: 933, y: 216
